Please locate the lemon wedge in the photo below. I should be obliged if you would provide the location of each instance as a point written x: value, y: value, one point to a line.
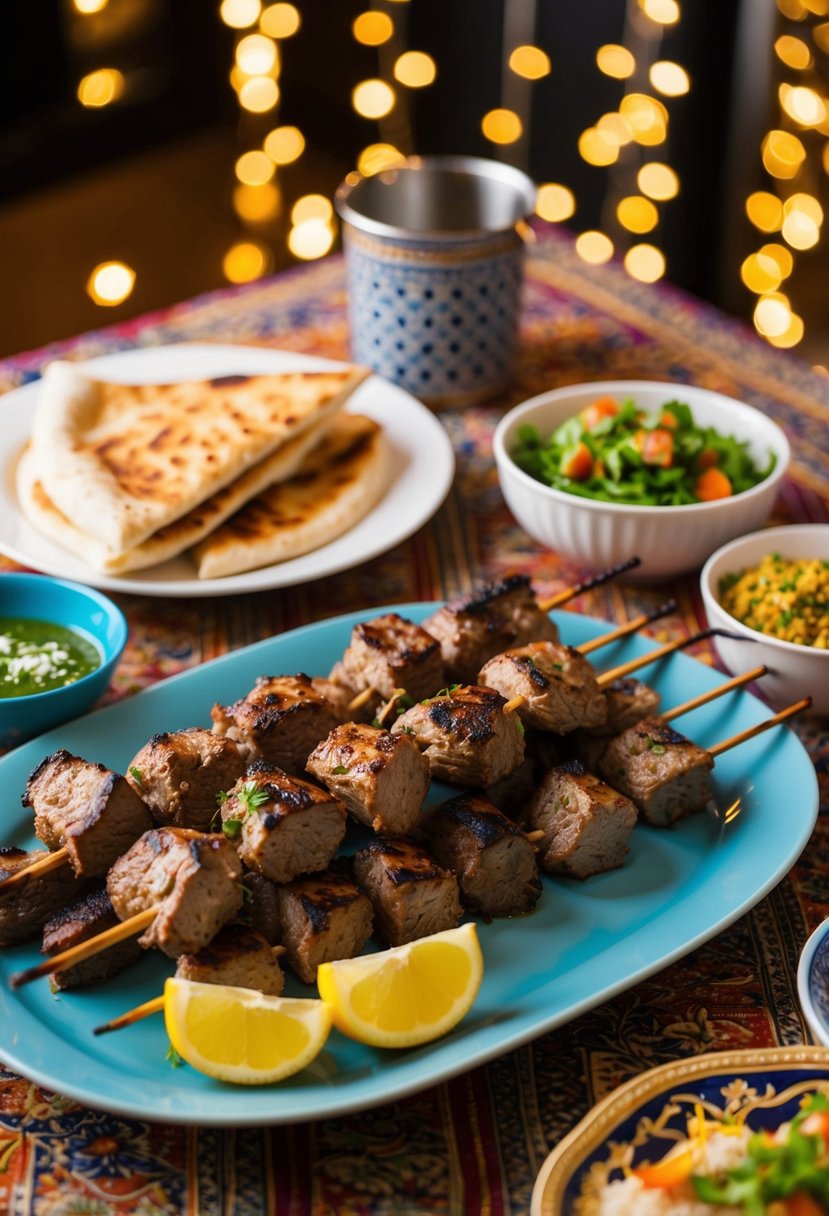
x: 408, y: 994
x: 238, y: 1035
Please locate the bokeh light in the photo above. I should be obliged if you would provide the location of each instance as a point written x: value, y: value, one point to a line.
x: 100, y: 88
x: 782, y: 256
x: 802, y: 104
x: 800, y: 230
x: 530, y: 62
x: 415, y: 69
x: 502, y: 126
x: 554, y: 202
x: 647, y: 117
x: 239, y: 14
x: 783, y: 154
x: 669, y: 78
x: 615, y: 128
x: 791, y: 335
x: 637, y: 214
x: 372, y: 28
x: 311, y: 239
x: 280, y: 21
x: 259, y: 94
x: 760, y: 273
x: 658, y: 181
x: 793, y: 9
x: 645, y: 263
x: 377, y: 157
x: 793, y: 52
x: 597, y: 147
x: 765, y: 211
x: 284, y: 145
x: 90, y: 6
x: 256, y: 204
x: 254, y: 168
x: 246, y: 261
x: 312, y: 207
x: 373, y: 99
x: 256, y: 55
x: 594, y: 247
x: 663, y: 12
x: 110, y: 283
x: 616, y: 61
x: 772, y: 314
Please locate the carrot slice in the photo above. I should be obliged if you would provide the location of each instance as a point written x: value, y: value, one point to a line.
x: 577, y: 463
x: 707, y: 458
x: 667, y: 1173
x: 711, y: 485
x: 597, y: 411
x: 802, y: 1204
x: 657, y: 447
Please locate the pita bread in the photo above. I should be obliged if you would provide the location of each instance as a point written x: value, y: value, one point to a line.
x: 121, y: 461
x: 174, y: 538
x: 339, y: 483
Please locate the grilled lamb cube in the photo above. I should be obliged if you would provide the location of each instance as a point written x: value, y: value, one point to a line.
x: 282, y: 826
x: 77, y: 923
x: 494, y: 861
x: 558, y: 684
x: 472, y: 628
x: 179, y: 774
x: 87, y: 808
x: 628, y: 702
x: 324, y: 917
x: 281, y: 720
x: 412, y: 895
x: 237, y: 956
x: 466, y: 736
x: 195, y: 880
x: 382, y: 778
x: 586, y: 824
x: 390, y: 652
x: 665, y: 774
x: 28, y: 905
x: 261, y: 906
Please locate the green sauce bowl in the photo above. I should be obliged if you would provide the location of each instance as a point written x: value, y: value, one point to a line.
x: 84, y: 611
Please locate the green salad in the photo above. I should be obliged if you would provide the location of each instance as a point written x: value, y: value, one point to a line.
x: 617, y: 452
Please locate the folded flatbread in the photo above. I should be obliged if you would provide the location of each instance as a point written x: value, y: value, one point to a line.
x: 121, y: 461
x: 175, y: 537
x: 339, y: 482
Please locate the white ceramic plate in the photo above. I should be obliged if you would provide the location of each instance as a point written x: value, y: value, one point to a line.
x: 422, y: 466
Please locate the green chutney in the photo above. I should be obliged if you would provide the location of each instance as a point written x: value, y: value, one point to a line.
x: 37, y: 656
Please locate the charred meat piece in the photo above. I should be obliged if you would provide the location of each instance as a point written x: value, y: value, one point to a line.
x: 261, y: 906
x: 494, y: 861
x: 628, y: 702
x: 77, y: 923
x: 382, y: 778
x: 586, y: 824
x: 412, y: 895
x: 237, y: 956
x: 513, y: 793
x: 390, y: 652
x: 179, y: 774
x: 324, y: 917
x: 87, y: 808
x: 664, y: 773
x: 282, y: 826
x: 195, y: 880
x: 281, y: 720
x: 466, y: 736
x: 558, y: 684
x: 472, y: 628
x: 26, y: 907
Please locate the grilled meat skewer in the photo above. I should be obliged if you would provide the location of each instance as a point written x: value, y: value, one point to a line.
x: 413, y: 896
x: 26, y: 906
x: 280, y: 720
x: 79, y: 922
x: 178, y: 775
x: 387, y: 653
x: 586, y: 824
x: 324, y: 917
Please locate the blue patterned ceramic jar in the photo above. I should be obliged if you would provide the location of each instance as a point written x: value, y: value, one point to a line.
x: 434, y: 260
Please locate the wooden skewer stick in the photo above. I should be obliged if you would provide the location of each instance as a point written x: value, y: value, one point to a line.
x: 94, y: 945
x: 735, y: 740
x: 360, y: 699
x: 156, y: 1005
x: 622, y: 631
x: 52, y: 861
x: 386, y: 709
x: 713, y: 693
x: 625, y: 669
x: 514, y: 704
x: 570, y: 593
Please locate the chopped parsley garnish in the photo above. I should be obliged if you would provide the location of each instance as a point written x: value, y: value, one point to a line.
x: 251, y: 796
x: 222, y: 797
x: 519, y: 725
x: 173, y: 1058
x: 340, y: 769
x: 136, y: 774
x: 657, y: 748
x: 232, y: 828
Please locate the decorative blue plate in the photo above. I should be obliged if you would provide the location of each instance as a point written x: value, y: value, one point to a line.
x: 813, y: 982
x: 644, y: 1118
x: 585, y: 942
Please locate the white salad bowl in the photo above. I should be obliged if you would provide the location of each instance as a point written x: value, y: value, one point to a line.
x: 668, y: 540
x: 795, y: 671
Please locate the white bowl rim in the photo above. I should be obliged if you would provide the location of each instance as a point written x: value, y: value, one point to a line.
x: 705, y: 580
x: 804, y: 970
x: 631, y: 387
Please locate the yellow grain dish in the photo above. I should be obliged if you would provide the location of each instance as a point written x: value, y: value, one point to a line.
x: 785, y: 598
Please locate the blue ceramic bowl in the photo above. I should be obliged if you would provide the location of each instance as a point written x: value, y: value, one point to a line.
x: 813, y: 983
x: 39, y: 597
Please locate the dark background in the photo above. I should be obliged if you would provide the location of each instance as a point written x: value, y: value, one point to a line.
x: 149, y: 180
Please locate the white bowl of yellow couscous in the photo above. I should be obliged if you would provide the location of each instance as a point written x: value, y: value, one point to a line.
x: 771, y: 590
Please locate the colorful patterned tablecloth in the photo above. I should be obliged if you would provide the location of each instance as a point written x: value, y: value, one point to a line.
x: 475, y: 1144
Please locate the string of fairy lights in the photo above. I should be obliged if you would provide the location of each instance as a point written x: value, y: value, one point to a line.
x: 630, y: 144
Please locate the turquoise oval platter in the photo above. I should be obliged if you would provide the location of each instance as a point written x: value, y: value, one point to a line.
x: 585, y: 942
